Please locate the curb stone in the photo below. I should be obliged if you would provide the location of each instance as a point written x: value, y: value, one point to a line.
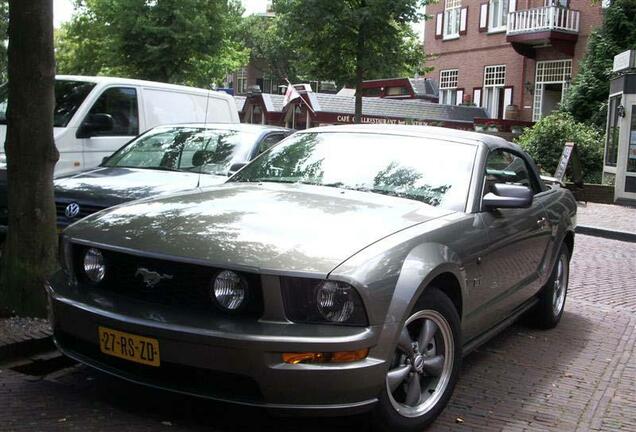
x: 606, y: 233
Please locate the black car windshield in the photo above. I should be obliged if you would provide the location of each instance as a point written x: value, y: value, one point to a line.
x: 69, y: 95
x: 431, y: 171
x: 184, y: 148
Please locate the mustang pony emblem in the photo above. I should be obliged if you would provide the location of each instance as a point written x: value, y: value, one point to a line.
x: 151, y: 278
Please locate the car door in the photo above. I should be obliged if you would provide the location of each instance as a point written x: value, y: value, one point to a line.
x: 112, y: 121
x: 518, y: 238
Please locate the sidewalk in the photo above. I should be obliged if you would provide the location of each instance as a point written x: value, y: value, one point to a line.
x: 607, y: 220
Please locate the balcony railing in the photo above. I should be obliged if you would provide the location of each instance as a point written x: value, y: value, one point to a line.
x: 550, y: 18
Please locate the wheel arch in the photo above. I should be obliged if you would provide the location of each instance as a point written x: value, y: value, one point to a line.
x: 568, y: 240
x: 448, y: 284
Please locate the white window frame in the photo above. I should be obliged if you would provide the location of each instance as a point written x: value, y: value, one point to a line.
x: 497, y: 22
x: 241, y: 81
x: 452, y: 19
x: 494, y: 82
x: 550, y: 72
x: 448, y: 80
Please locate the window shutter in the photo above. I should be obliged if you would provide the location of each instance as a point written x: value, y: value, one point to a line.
x: 460, y: 96
x: 483, y: 17
x: 507, y: 99
x: 439, y: 25
x: 463, y: 20
x: 512, y: 5
x: 477, y: 96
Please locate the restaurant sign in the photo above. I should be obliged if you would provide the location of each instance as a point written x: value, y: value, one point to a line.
x: 381, y: 120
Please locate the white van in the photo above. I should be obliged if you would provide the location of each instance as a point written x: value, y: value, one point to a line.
x: 94, y: 116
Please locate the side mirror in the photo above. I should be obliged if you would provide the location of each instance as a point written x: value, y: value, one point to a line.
x: 235, y: 167
x: 94, y: 124
x: 508, y: 196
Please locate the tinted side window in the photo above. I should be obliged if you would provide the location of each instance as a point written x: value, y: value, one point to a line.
x: 506, y: 167
x: 121, y: 104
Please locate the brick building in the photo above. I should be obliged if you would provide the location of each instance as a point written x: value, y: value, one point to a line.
x: 515, y: 58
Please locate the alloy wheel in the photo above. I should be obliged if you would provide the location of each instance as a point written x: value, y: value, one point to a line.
x: 560, y: 285
x: 422, y: 365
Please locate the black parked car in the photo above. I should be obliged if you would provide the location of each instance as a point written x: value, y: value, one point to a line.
x: 163, y: 160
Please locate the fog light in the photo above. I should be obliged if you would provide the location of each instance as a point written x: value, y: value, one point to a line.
x: 229, y: 290
x: 94, y: 267
x: 328, y: 357
x: 335, y: 301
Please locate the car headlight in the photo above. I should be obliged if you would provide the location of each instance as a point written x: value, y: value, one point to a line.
x: 229, y: 290
x: 94, y: 267
x: 322, y: 301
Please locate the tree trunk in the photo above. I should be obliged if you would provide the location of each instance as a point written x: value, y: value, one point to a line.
x: 357, y: 118
x: 358, y: 112
x: 31, y: 246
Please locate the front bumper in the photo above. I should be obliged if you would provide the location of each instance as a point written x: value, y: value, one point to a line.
x: 222, y: 359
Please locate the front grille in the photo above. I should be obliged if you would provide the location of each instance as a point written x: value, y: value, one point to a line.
x: 85, y: 210
x: 172, y: 376
x: 181, y: 285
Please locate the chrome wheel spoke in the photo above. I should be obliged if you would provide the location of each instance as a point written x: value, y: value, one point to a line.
x: 429, y: 328
x: 434, y: 365
x: 396, y: 376
x: 414, y: 393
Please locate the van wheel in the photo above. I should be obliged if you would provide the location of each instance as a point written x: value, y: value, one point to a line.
x: 424, y: 368
x: 548, y: 312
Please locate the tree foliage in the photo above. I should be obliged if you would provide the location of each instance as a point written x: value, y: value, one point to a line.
x: 269, y: 48
x: 180, y: 41
x: 352, y: 40
x: 545, y: 142
x: 587, y: 98
x: 4, y: 28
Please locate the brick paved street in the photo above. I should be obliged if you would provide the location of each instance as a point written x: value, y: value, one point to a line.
x: 580, y: 376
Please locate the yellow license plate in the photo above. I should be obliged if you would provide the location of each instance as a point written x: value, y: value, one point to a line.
x: 127, y: 346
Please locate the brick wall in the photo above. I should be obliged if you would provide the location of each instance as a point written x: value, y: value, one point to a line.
x: 471, y: 52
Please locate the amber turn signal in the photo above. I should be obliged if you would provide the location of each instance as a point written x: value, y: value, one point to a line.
x: 328, y: 357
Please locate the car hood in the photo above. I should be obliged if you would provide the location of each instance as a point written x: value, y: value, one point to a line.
x: 105, y: 187
x: 258, y: 227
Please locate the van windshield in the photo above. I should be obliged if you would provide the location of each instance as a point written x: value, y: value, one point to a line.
x: 69, y: 95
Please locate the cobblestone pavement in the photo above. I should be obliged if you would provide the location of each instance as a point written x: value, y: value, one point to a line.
x: 579, y: 376
x: 608, y: 216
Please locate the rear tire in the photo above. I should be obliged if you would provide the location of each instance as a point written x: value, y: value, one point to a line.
x: 548, y: 312
x: 424, y: 368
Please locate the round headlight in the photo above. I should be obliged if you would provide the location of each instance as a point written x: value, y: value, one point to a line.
x: 94, y: 267
x: 229, y: 290
x: 336, y: 302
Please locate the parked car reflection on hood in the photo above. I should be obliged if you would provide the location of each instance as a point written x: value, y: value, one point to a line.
x: 164, y: 160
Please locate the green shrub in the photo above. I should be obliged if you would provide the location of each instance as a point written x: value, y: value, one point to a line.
x: 546, y: 139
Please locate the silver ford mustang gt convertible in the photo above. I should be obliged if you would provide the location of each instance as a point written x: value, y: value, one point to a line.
x: 347, y: 269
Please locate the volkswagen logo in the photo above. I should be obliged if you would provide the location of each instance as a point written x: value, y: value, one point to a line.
x: 72, y: 210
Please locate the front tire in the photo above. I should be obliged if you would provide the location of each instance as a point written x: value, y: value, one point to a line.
x: 424, y: 368
x: 549, y: 310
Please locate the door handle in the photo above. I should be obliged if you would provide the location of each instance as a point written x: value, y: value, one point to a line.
x: 542, y: 222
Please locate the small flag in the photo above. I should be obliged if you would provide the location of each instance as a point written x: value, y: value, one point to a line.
x: 290, y: 95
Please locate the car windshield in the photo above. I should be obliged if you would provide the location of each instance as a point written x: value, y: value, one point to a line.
x: 424, y: 169
x: 192, y: 149
x: 69, y: 95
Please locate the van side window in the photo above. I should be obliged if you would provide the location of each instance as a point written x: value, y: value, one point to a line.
x: 506, y: 167
x: 120, y: 103
x: 269, y: 141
